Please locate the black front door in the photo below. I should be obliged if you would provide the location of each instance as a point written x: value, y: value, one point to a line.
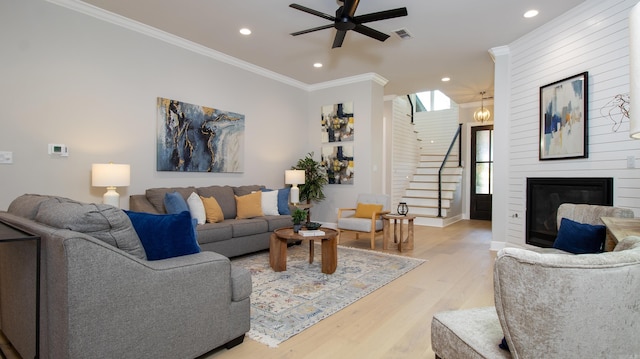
x: 481, y: 172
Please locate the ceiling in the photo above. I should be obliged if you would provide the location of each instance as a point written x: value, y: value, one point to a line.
x: 450, y: 38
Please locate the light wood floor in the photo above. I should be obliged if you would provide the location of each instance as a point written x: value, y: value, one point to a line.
x: 394, y: 321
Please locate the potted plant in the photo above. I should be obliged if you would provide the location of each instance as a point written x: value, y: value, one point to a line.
x: 298, y: 216
x: 315, y: 178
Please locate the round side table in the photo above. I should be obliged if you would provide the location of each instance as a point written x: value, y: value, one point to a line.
x: 398, y: 231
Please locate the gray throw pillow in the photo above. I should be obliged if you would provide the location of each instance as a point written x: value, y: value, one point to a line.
x: 104, y: 222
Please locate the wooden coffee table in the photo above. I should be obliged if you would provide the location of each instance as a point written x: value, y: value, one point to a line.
x: 278, y: 248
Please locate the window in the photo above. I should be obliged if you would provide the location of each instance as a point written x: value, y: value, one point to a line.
x: 432, y: 101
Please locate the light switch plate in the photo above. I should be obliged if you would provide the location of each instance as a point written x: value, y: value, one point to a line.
x: 6, y: 157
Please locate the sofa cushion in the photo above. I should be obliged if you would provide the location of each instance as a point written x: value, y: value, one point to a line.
x: 245, y: 190
x: 27, y: 205
x: 174, y: 203
x: 104, y: 222
x: 277, y: 222
x: 224, y: 196
x: 249, y: 205
x: 247, y: 227
x: 269, y: 203
x: 196, y: 208
x: 165, y: 235
x: 283, y: 200
x: 580, y: 238
x: 156, y: 195
x: 215, y: 232
x: 212, y: 210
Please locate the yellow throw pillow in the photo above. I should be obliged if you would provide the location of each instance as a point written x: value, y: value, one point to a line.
x: 249, y: 205
x: 366, y: 210
x: 212, y: 210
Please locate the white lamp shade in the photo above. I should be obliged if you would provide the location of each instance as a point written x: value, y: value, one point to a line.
x: 634, y: 72
x: 294, y: 177
x: 110, y: 175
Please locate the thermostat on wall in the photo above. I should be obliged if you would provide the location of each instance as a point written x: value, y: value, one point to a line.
x: 60, y: 150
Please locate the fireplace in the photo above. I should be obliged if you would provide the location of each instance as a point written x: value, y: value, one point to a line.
x: 544, y: 196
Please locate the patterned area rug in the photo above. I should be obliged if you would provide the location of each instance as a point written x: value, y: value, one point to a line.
x: 285, y: 303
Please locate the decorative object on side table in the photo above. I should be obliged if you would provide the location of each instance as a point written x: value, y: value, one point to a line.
x: 294, y: 178
x: 403, y: 209
x: 298, y: 216
x: 110, y: 175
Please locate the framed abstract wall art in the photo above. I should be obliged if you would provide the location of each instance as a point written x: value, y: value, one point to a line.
x: 194, y: 138
x: 563, y: 118
x: 337, y: 122
x: 338, y: 162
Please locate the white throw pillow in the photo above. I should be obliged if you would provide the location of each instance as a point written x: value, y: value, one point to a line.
x: 196, y: 208
x: 270, y: 203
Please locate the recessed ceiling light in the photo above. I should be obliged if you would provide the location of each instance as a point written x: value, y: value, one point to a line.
x: 446, y: 79
x: 531, y: 13
x: 317, y: 65
x: 245, y: 31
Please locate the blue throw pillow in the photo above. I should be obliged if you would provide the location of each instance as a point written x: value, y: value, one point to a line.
x: 174, y: 203
x: 283, y: 200
x: 165, y: 235
x: 580, y: 238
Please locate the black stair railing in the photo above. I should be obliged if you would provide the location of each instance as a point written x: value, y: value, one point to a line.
x: 456, y: 137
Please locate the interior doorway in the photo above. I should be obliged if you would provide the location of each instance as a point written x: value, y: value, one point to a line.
x: 481, y: 191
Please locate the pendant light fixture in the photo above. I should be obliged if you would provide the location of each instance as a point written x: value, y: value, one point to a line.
x: 482, y: 114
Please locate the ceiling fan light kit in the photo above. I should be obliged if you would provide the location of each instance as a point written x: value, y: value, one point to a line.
x: 345, y: 20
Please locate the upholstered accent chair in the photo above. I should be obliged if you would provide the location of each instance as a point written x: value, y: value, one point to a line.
x: 552, y: 304
x: 366, y: 217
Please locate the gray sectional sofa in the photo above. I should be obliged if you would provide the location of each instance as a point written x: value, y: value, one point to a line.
x: 100, y: 297
x: 231, y: 237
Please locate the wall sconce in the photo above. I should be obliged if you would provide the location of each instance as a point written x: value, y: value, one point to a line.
x: 482, y: 114
x: 634, y: 72
x: 111, y: 176
x: 294, y: 178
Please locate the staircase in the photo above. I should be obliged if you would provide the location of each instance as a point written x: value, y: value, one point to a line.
x: 422, y: 194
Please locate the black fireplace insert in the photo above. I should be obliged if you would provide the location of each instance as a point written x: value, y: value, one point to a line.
x: 545, y: 194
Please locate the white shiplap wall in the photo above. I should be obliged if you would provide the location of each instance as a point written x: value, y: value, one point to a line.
x: 436, y: 129
x: 405, y: 153
x: 592, y: 37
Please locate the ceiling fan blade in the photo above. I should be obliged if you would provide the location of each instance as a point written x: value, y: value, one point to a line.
x: 349, y: 7
x: 313, y: 12
x: 312, y: 30
x: 337, y: 42
x: 367, y: 31
x: 381, y: 15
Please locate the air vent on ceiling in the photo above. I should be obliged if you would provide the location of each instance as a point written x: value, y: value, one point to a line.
x: 403, y: 34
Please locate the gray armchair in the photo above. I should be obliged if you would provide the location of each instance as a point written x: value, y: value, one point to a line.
x: 551, y: 305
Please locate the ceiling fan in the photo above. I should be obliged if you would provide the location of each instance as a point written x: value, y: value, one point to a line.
x: 346, y: 20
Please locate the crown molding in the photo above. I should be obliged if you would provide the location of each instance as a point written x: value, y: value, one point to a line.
x: 350, y: 80
x: 139, y: 27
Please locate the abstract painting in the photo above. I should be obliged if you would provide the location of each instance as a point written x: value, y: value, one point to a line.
x: 563, y: 118
x: 338, y: 162
x: 337, y: 122
x: 193, y: 138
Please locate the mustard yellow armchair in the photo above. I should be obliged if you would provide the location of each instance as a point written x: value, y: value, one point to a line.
x: 366, y: 217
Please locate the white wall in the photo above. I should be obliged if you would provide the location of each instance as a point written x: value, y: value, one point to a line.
x: 592, y: 37
x: 367, y: 97
x: 74, y: 79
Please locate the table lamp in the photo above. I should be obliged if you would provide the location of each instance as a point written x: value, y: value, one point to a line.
x: 110, y: 175
x: 294, y: 178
